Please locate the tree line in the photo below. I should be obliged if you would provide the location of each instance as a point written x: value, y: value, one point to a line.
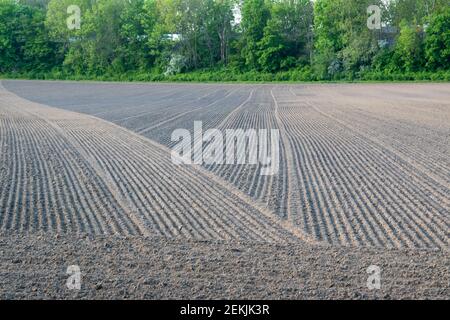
x: 225, y: 39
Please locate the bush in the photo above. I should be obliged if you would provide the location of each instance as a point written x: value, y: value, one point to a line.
x: 304, y: 74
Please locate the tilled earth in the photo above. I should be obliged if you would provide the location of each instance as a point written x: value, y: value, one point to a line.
x: 34, y: 267
x: 364, y: 181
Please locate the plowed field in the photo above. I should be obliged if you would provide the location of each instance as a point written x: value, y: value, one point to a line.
x: 364, y: 180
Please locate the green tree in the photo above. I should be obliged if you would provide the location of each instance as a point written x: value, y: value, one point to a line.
x: 196, y: 32
x: 170, y: 36
x: 24, y: 41
x: 255, y: 14
x: 133, y: 52
x: 343, y: 42
x: 287, y: 36
x: 408, y: 49
x: 415, y: 11
x: 70, y: 41
x: 437, y: 42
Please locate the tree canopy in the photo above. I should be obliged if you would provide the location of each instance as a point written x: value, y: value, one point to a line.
x: 329, y: 38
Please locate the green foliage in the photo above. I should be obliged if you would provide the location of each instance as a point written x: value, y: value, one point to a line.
x: 24, y: 41
x: 197, y: 40
x: 408, y: 50
x: 437, y: 43
x: 344, y: 45
x: 415, y: 11
x: 255, y: 14
x: 198, y: 30
x: 287, y: 39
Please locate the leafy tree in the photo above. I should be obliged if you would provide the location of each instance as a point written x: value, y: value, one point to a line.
x: 56, y: 19
x: 437, y: 43
x: 133, y: 52
x: 415, y: 11
x: 218, y: 30
x: 409, y: 47
x: 70, y: 41
x: 343, y: 43
x: 291, y: 38
x: 287, y: 36
x: 255, y: 14
x: 102, y: 38
x: 24, y: 41
x: 197, y: 30
x: 8, y: 50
